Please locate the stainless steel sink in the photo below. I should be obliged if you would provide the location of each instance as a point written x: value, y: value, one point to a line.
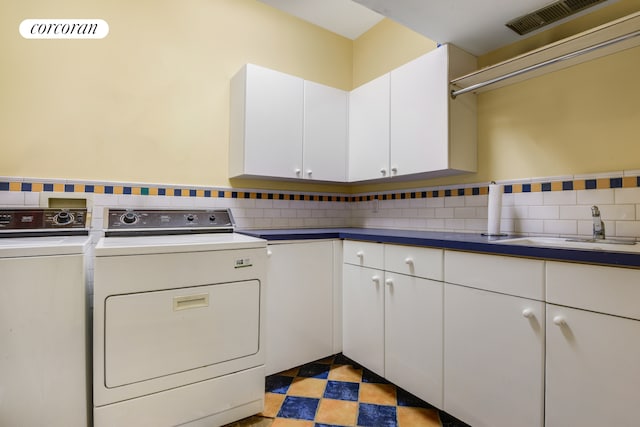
x: 613, y: 245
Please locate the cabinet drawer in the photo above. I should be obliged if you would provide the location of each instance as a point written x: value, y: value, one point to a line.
x: 414, y: 261
x: 364, y: 254
x: 507, y: 275
x: 610, y: 290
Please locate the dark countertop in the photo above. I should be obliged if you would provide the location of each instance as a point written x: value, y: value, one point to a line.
x: 473, y: 242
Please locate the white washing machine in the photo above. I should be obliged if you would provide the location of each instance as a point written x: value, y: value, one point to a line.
x: 44, y: 369
x: 178, y: 320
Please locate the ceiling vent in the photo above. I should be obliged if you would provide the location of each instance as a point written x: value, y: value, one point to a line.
x: 549, y: 14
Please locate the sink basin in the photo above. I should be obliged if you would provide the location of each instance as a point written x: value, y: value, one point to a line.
x: 588, y: 244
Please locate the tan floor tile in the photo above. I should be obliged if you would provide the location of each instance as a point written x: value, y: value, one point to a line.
x: 345, y: 373
x: 272, y: 404
x: 307, y: 387
x: 286, y: 422
x: 380, y: 394
x: 418, y: 417
x: 340, y: 412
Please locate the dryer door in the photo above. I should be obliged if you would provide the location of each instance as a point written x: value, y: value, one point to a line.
x: 154, y: 334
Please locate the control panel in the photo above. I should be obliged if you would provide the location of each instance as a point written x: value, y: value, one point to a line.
x: 165, y: 221
x: 42, y: 219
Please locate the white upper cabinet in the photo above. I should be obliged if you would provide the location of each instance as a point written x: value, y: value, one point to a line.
x: 430, y: 133
x: 325, y: 132
x: 266, y: 123
x: 403, y: 123
x: 369, y: 130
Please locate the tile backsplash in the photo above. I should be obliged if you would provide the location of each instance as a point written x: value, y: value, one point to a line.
x: 542, y: 206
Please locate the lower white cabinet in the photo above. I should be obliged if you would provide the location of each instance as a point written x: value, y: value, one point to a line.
x: 303, y: 303
x: 497, y: 341
x: 413, y: 335
x: 593, y: 346
x: 363, y: 316
x: 494, y: 339
x: 392, y: 321
x: 493, y: 358
x: 593, y: 369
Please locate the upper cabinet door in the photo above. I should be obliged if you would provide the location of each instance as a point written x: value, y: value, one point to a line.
x: 369, y: 130
x: 325, y: 132
x: 266, y: 123
x: 420, y: 115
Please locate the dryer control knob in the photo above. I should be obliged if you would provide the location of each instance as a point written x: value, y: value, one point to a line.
x: 63, y: 217
x: 129, y: 218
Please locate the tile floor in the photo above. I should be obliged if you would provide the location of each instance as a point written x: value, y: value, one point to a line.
x: 337, y: 392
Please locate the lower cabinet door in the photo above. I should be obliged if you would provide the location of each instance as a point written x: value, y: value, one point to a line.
x: 493, y: 358
x: 593, y: 369
x: 363, y: 316
x: 299, y: 298
x: 413, y: 335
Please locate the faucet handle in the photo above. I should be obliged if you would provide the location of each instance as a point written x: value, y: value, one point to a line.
x: 598, y: 225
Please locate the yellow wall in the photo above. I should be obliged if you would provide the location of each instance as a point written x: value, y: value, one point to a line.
x: 384, y: 47
x: 150, y: 102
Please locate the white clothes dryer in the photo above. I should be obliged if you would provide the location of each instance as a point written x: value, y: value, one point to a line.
x: 178, y: 320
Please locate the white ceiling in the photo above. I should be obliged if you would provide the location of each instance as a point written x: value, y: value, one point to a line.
x: 344, y: 17
x: 477, y: 26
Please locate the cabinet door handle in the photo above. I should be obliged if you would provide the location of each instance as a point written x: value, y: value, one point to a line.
x: 408, y: 261
x: 309, y: 172
x: 559, y: 320
x: 388, y: 282
x: 394, y: 170
x: 528, y: 313
x: 359, y: 254
x: 269, y: 253
x: 375, y: 279
x: 383, y: 171
x: 298, y: 172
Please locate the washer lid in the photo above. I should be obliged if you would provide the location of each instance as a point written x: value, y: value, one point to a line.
x: 110, y: 246
x: 12, y: 247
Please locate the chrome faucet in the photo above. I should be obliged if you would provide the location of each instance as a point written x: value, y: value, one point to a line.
x: 598, y: 225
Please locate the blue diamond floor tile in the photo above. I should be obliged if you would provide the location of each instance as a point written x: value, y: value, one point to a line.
x: 301, y: 408
x: 370, y: 415
x: 341, y: 390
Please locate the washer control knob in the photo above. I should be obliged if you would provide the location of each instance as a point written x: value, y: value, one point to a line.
x: 63, y: 217
x: 190, y: 218
x: 212, y: 218
x: 129, y: 218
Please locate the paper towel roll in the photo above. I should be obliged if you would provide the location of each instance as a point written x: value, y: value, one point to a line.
x: 495, y: 206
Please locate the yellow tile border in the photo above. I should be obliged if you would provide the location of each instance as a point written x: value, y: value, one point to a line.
x: 466, y: 190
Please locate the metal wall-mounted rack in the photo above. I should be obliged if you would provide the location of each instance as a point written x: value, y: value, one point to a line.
x: 615, y: 36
